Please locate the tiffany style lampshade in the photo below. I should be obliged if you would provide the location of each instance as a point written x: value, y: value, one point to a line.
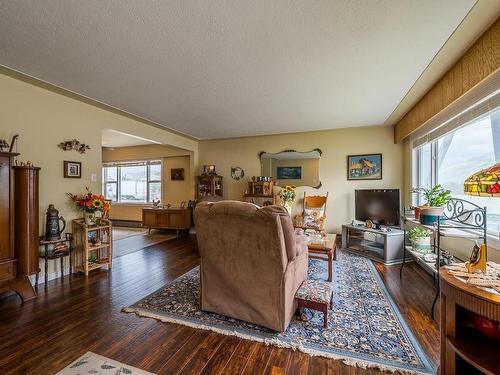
x: 485, y: 183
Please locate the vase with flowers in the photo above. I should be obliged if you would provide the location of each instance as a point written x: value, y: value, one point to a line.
x: 92, y: 205
x: 287, y: 196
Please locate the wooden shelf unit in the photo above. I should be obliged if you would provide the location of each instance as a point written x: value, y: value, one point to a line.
x: 83, y: 248
x: 461, y: 219
x: 209, y: 186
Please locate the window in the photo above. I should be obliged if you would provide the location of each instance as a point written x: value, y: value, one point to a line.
x: 451, y: 158
x: 132, y: 182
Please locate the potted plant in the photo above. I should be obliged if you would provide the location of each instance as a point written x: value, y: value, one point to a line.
x: 435, y: 200
x: 92, y: 205
x: 420, y: 239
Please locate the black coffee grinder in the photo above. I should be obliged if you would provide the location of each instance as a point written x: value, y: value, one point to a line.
x: 52, y: 231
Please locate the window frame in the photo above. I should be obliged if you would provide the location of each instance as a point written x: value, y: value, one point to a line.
x: 118, y: 165
x: 416, y: 177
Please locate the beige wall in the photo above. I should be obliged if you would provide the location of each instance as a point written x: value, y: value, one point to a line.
x: 43, y: 117
x: 173, y: 192
x: 335, y: 144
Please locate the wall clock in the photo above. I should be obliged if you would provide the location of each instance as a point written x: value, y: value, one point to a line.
x: 237, y: 173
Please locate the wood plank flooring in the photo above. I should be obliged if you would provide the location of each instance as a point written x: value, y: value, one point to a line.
x: 73, y: 316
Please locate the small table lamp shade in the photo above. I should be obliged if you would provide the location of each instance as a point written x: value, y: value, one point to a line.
x: 485, y: 183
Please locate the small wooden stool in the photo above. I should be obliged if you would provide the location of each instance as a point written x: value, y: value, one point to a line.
x: 316, y: 295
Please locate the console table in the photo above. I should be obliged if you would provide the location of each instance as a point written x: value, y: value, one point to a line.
x: 379, y: 245
x: 167, y: 218
x: 463, y: 349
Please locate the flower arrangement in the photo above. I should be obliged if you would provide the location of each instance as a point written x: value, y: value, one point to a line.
x: 90, y: 202
x: 287, y: 195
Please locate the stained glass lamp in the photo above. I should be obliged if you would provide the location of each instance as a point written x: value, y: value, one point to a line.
x: 485, y: 183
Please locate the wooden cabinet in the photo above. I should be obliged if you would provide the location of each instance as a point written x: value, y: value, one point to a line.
x: 166, y: 218
x: 18, y: 226
x: 7, y: 259
x: 464, y: 350
x: 209, y: 186
x: 26, y: 219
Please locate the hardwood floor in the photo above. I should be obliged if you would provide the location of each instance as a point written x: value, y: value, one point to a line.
x: 73, y: 316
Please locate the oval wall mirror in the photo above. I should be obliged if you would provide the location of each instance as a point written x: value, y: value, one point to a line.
x: 291, y: 167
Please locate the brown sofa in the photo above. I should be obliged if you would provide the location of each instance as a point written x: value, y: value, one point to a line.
x: 252, y: 263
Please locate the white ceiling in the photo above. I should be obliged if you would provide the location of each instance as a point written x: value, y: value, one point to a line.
x: 214, y: 69
x: 112, y: 138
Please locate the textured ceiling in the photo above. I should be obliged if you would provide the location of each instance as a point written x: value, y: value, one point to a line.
x: 232, y: 68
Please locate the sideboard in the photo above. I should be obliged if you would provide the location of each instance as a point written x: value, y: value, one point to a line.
x: 167, y: 218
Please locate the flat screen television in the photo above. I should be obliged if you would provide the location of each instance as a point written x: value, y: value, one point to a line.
x: 381, y: 206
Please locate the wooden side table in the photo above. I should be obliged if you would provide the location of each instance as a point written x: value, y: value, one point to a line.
x: 49, y: 253
x: 463, y: 349
x: 324, y: 246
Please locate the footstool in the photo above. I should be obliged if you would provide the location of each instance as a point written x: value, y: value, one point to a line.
x: 316, y: 295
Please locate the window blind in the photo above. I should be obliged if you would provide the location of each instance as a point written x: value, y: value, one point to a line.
x: 477, y: 102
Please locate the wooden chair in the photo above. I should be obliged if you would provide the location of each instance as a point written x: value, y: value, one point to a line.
x: 312, y: 206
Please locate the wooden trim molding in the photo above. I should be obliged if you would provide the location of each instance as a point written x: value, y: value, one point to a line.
x: 478, y: 63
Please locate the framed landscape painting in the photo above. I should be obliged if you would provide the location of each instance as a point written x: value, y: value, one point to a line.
x: 364, y: 167
x: 289, y: 173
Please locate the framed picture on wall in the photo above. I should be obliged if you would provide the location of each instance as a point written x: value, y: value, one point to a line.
x: 364, y: 167
x: 177, y: 174
x: 72, y: 169
x: 289, y: 173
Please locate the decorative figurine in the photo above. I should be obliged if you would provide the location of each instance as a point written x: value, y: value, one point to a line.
x: 477, y: 260
x: 3, y: 144
x: 156, y: 204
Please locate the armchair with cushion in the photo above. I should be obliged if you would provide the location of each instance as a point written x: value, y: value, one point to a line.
x: 252, y: 262
x: 313, y: 214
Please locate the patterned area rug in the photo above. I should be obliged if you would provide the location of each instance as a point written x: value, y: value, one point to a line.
x: 365, y: 328
x: 91, y: 363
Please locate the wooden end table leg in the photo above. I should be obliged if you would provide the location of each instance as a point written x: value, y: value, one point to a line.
x: 325, y: 316
x: 62, y: 267
x: 299, y: 309
x: 330, y: 266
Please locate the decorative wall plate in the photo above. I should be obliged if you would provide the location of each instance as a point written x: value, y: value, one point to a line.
x: 237, y: 173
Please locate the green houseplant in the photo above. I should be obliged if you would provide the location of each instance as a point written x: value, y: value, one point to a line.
x: 435, y: 200
x: 420, y: 239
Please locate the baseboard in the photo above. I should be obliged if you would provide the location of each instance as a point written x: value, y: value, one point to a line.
x: 126, y: 223
x: 52, y: 276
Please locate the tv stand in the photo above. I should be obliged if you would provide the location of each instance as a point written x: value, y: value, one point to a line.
x: 384, y: 246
